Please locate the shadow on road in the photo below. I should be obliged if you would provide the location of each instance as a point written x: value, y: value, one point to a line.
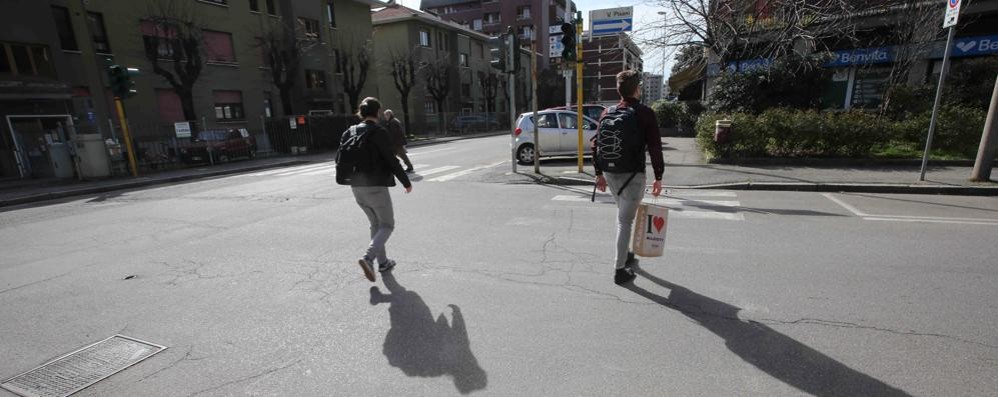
x: 420, y: 346
x: 776, y: 354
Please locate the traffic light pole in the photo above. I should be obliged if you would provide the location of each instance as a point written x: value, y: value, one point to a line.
x: 578, y: 80
x: 512, y: 93
x: 128, y: 136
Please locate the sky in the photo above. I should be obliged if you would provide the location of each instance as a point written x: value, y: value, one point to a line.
x: 646, y: 13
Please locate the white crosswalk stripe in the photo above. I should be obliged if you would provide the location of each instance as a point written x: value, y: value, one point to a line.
x: 464, y: 172
x: 437, y: 170
x: 679, y: 205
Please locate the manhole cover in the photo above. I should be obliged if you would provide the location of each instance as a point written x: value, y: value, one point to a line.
x: 77, y: 370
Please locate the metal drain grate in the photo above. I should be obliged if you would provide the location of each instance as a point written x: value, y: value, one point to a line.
x: 77, y: 370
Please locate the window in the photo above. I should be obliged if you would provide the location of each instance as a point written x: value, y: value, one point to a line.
x: 311, y: 28
x: 466, y: 89
x: 331, y: 14
x: 568, y: 121
x: 26, y: 60
x: 228, y: 105
x: 492, y: 18
x: 450, y: 10
x: 96, y: 22
x: 315, y: 79
x: 424, y: 38
x: 441, y: 42
x: 526, y: 32
x: 254, y: 5
x: 523, y: 12
x: 547, y: 121
x: 429, y: 106
x: 168, y: 103
x: 219, y: 46
x: 480, y: 50
x: 67, y: 38
x: 463, y: 59
x: 477, y: 24
x: 271, y: 9
x: 159, y: 38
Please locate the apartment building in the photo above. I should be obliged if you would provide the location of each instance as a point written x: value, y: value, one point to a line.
x: 54, y: 88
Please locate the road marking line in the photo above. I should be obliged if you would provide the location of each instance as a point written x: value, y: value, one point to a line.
x: 721, y: 216
x: 665, y: 202
x: 286, y: 169
x: 464, y: 172
x: 324, y: 167
x: 324, y: 171
x: 699, y: 193
x: 437, y: 170
x: 430, y: 151
x: 931, y: 221
x: 845, y: 205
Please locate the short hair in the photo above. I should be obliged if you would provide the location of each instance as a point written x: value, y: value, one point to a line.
x: 389, y: 112
x: 369, y: 107
x: 628, y: 82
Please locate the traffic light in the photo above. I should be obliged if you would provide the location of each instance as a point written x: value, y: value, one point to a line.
x: 499, y: 52
x: 120, y: 79
x: 515, y: 67
x: 568, y: 40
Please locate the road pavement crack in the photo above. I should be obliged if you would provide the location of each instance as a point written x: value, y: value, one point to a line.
x: 248, y: 378
x: 844, y: 324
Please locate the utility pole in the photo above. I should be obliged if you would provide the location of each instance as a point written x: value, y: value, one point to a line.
x: 511, y: 71
x: 578, y: 78
x: 989, y: 139
x: 533, y: 87
x: 949, y: 21
x: 568, y: 70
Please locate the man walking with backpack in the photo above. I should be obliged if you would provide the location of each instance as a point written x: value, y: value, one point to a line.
x: 626, y: 131
x: 366, y: 162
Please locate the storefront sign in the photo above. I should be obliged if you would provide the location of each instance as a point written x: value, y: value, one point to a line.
x: 862, y: 56
x: 978, y: 45
x: 183, y: 129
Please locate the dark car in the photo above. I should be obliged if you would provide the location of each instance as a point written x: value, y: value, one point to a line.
x: 221, y: 144
x: 592, y: 111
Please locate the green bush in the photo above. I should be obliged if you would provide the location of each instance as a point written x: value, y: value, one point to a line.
x: 782, y: 132
x: 667, y: 113
x: 788, y: 82
x: 958, y: 129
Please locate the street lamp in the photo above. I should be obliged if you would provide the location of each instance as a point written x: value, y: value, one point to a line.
x: 665, y: 22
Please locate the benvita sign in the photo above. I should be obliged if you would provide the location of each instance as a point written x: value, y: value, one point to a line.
x: 864, y: 56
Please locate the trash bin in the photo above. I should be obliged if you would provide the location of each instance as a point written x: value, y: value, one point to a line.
x: 722, y: 131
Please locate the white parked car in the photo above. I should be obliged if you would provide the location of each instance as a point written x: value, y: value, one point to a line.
x: 557, y: 133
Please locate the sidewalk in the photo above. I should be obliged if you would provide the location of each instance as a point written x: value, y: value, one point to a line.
x: 28, y: 191
x: 685, y: 168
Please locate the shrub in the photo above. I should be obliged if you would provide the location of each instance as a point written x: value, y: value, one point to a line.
x: 958, y: 129
x: 792, y: 83
x: 667, y: 113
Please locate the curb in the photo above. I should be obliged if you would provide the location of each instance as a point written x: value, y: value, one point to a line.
x: 136, y: 184
x: 840, y: 162
x: 882, y: 188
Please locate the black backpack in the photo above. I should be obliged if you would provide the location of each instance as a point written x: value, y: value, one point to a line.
x: 353, y: 156
x: 619, y: 145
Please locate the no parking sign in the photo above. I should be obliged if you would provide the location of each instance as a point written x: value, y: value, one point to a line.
x: 952, y: 13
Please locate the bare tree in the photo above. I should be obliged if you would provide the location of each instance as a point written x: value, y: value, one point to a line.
x: 283, y: 46
x: 353, y: 62
x: 404, y: 67
x: 174, y: 44
x: 439, y: 73
x: 914, y: 26
x: 490, y: 88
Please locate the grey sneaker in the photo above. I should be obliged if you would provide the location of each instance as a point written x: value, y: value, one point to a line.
x: 368, y: 269
x: 387, y: 266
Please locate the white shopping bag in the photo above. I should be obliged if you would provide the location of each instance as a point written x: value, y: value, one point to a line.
x: 649, y: 230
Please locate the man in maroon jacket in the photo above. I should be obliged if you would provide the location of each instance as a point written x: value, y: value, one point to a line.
x: 627, y: 181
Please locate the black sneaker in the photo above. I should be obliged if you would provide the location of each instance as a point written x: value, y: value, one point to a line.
x: 624, y: 276
x: 368, y: 269
x: 409, y: 170
x: 387, y: 266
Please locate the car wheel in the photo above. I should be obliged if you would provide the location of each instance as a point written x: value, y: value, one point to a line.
x: 525, y: 154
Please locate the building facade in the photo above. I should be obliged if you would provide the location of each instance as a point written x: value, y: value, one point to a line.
x: 432, y: 40
x: 860, y: 70
x: 56, y: 53
x: 530, y: 19
x: 604, y: 57
x: 651, y: 87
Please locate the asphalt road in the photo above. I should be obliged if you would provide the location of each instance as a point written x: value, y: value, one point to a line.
x: 502, y: 289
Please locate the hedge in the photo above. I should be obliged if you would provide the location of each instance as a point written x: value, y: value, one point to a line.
x: 782, y: 132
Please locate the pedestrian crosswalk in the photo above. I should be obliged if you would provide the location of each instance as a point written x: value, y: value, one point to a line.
x: 424, y: 172
x: 684, y: 204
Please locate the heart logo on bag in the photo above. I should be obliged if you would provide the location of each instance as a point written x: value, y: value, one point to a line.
x: 659, y: 223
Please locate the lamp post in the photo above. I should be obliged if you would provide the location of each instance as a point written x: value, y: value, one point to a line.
x: 665, y: 21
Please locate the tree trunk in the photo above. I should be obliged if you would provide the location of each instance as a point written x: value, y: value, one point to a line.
x: 187, y: 104
x: 405, y: 115
x: 441, y: 126
x: 286, y: 101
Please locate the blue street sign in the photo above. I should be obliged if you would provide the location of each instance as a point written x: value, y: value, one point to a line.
x: 611, y: 26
